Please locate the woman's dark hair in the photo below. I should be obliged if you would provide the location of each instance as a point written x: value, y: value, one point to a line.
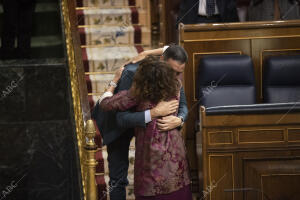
x: 175, y: 52
x: 154, y: 81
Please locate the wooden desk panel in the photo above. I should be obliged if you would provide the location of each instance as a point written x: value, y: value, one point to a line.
x: 252, y: 156
x: 259, y: 40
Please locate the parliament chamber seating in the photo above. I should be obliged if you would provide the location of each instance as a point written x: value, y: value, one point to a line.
x: 168, y: 10
x: 226, y: 80
x: 281, y: 79
x: 249, y: 149
x: 246, y: 142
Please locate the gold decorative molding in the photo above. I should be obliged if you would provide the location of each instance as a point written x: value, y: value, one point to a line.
x: 90, y: 161
x: 79, y: 124
x: 232, y: 169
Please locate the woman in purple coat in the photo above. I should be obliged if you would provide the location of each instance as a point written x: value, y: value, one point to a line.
x: 161, y: 168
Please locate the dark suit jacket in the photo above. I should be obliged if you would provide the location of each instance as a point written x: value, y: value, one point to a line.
x: 112, y: 124
x: 188, y: 12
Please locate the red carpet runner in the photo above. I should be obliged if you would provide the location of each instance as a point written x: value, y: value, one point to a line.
x: 111, y: 32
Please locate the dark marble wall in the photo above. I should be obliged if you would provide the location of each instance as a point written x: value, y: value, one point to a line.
x: 38, y: 146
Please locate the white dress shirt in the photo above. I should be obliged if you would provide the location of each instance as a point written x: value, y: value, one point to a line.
x: 202, y: 8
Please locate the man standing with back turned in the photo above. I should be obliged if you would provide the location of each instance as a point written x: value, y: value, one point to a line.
x: 117, y: 129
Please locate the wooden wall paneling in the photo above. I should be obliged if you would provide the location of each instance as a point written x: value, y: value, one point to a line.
x: 265, y: 156
x: 232, y: 31
x: 293, y: 134
x: 239, y: 176
x: 286, y: 185
x: 155, y: 22
x: 245, y: 138
x: 220, y: 178
x: 222, y: 137
x: 149, y: 16
x: 203, y: 160
x: 162, y: 29
x: 261, y: 136
x: 258, y: 120
x: 266, y: 172
x: 191, y: 153
x: 169, y: 12
x: 199, y: 159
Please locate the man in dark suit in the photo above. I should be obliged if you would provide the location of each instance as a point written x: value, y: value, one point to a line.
x: 117, y: 128
x: 207, y: 11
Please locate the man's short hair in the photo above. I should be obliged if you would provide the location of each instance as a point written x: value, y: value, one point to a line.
x: 176, y: 53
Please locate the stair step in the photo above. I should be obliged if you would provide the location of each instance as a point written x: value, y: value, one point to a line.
x: 107, y: 59
x: 115, y: 35
x: 107, y: 35
x: 117, y: 16
x: 102, y: 3
x: 98, y: 83
x: 120, y: 17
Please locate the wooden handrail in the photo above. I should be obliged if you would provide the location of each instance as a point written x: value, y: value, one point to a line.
x: 87, y: 148
x: 238, y: 25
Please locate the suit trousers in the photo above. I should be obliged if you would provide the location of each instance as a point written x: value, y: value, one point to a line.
x: 211, y: 19
x: 118, y: 165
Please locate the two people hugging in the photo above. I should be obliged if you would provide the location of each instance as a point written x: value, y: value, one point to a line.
x: 146, y: 100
